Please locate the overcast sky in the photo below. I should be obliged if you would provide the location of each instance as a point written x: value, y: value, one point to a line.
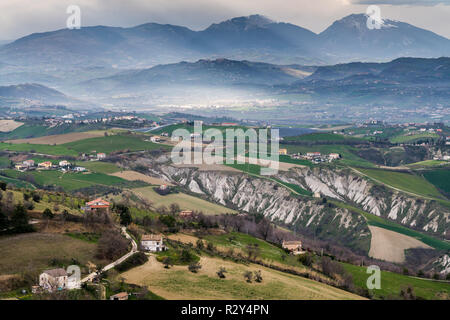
x: 22, y: 17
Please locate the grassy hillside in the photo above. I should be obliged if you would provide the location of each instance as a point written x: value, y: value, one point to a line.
x: 113, y: 143
x: 393, y: 226
x: 73, y: 181
x: 409, y: 138
x: 60, y: 150
x: 185, y: 201
x: 404, y: 181
x: 312, y: 137
x: 178, y: 283
x: 35, y: 251
x: 392, y: 283
x: 99, y: 166
x: 439, y: 178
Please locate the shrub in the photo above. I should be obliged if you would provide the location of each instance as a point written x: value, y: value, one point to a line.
x: 167, y: 261
x: 48, y: 214
x: 194, y: 267
x: 137, y: 259
x: 305, y: 259
x: 221, y: 273
x: 248, y: 276
x: 258, y: 276
x: 199, y: 244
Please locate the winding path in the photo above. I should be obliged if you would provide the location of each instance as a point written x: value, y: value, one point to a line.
x: 134, y: 249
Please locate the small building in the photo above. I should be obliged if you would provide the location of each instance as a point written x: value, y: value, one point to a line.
x: 155, y: 139
x: 186, y: 214
x: 97, y: 205
x: 283, y: 151
x: 79, y: 169
x: 21, y: 167
x: 45, y: 165
x: 294, y: 247
x: 153, y: 242
x: 119, y: 296
x: 313, y: 154
x: 334, y: 156
x: 53, y: 280
x: 64, y: 163
x: 101, y: 156
x: 28, y: 163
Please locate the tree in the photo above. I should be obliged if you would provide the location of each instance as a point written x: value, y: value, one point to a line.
x: 265, y: 228
x: 305, y: 259
x: 126, y: 218
x: 19, y: 217
x: 194, y: 267
x: 253, y: 251
x: 167, y: 261
x: 199, y: 244
x: 258, y: 276
x: 3, y: 185
x: 221, y: 273
x: 186, y: 256
x: 48, y: 214
x: 248, y: 276
x: 174, y: 208
x: 111, y: 245
x: 4, y: 223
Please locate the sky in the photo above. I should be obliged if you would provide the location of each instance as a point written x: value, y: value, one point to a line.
x: 22, y: 17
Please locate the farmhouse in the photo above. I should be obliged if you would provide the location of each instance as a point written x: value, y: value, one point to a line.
x: 119, y: 296
x: 186, y: 213
x: 334, y: 156
x: 153, y: 242
x: 97, y: 205
x: 101, y: 156
x: 28, y: 163
x: 64, y: 163
x: 53, y: 280
x: 155, y: 139
x: 294, y: 247
x: 283, y: 151
x: 45, y: 165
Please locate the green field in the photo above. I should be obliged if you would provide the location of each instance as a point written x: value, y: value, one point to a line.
x: 113, y: 143
x: 392, y: 283
x: 320, y: 137
x: 404, y: 181
x: 429, y: 163
x: 35, y: 251
x: 439, y: 178
x: 404, y: 138
x: 25, y: 131
x: 99, y: 166
x: 59, y: 150
x: 17, y: 183
x: 376, y: 221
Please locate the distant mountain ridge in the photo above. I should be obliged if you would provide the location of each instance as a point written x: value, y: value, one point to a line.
x: 254, y: 38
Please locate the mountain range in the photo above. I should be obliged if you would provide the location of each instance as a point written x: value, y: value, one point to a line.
x: 254, y: 38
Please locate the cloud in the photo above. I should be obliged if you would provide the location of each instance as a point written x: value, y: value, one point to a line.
x: 403, y: 2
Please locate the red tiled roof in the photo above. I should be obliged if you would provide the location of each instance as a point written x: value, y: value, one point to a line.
x: 98, y: 203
